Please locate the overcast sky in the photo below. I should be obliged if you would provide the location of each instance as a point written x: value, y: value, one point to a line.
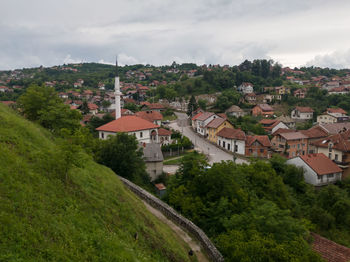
x: 294, y: 33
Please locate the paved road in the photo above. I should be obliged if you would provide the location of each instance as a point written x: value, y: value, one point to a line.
x: 215, y: 154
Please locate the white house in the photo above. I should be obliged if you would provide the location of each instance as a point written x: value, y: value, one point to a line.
x: 318, y: 169
x: 200, y: 120
x: 246, y: 88
x: 143, y: 130
x: 302, y: 113
x: 232, y: 140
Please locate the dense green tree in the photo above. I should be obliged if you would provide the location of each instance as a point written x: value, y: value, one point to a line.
x: 192, y: 105
x: 122, y: 154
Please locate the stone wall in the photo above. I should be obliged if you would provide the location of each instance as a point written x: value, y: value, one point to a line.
x: 170, y: 213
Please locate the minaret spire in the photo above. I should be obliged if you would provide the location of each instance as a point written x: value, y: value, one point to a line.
x: 117, y: 92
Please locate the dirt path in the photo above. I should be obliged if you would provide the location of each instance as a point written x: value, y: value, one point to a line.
x: 180, y: 232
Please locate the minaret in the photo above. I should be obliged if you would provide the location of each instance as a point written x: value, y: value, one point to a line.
x: 117, y: 92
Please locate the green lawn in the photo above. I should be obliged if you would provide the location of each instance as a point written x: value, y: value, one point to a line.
x: 170, y: 118
x: 93, y: 217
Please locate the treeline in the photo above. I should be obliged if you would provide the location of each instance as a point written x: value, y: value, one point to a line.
x: 259, y: 212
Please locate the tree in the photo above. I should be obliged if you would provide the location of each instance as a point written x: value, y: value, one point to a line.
x: 202, y: 104
x: 122, y: 154
x: 192, y: 106
x: 41, y: 104
x: 84, y: 108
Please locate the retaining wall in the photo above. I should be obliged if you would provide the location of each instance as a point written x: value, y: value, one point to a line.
x: 170, y: 213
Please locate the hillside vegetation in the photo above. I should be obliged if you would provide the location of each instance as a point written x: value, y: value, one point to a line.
x: 49, y: 212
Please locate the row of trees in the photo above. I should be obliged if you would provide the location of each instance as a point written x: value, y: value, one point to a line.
x: 259, y: 212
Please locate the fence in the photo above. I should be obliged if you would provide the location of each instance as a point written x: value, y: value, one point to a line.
x: 170, y: 213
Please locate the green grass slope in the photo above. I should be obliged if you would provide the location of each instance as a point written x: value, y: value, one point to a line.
x: 93, y: 218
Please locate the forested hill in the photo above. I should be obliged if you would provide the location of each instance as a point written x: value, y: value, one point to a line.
x: 57, y: 204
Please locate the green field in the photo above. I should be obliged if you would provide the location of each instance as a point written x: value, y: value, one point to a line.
x: 88, y: 217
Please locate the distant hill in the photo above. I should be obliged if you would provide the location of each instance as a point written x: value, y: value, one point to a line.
x: 90, y: 218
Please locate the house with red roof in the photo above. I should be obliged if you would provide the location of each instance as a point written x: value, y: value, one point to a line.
x: 200, y: 121
x: 164, y: 136
x: 153, y: 116
x: 144, y: 131
x: 337, y: 148
x: 302, y: 113
x: 246, y: 88
x: 232, y: 140
x: 250, y: 98
x: 272, y: 125
x: 258, y: 146
x: 319, y: 170
x: 262, y: 109
x: 333, y: 115
x: 214, y: 126
x: 313, y: 134
x: 289, y: 144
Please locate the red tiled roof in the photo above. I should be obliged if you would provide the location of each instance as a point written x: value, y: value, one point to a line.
x: 267, y: 121
x: 150, y: 115
x: 315, y: 132
x: 282, y: 130
x: 92, y: 106
x: 304, y: 109
x: 156, y: 106
x: 205, y: 116
x: 329, y: 250
x: 196, y: 116
x: 129, y: 101
x: 293, y: 135
x: 321, y: 164
x: 263, y: 140
x: 339, y: 141
x: 336, y: 110
x: 215, y: 123
x: 265, y: 107
x: 335, y: 128
x: 145, y: 103
x: 160, y: 186
x: 127, y: 124
x: 164, y: 132
x: 231, y: 133
x: 222, y: 115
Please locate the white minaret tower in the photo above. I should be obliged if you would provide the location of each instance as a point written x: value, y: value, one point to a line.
x: 117, y: 92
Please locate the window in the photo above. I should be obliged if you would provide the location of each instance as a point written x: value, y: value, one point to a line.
x: 330, y: 175
x: 236, y: 148
x: 102, y: 135
x: 261, y: 150
x: 223, y: 143
x: 336, y: 157
x: 141, y: 134
x: 219, y: 142
x: 228, y: 146
x: 298, y: 146
x: 250, y: 150
x: 330, y: 155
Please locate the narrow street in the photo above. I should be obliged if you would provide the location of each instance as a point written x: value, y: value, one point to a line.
x: 215, y: 154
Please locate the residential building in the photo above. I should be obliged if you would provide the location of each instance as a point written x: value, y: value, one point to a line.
x: 269, y: 98
x: 313, y: 134
x: 290, y: 144
x: 246, y: 88
x: 201, y: 121
x: 300, y: 93
x: 154, y: 107
x: 282, y: 90
x: 153, y: 116
x: 272, y: 125
x: 164, y: 136
x: 318, y: 169
x: 258, y: 146
x: 335, y: 128
x: 250, y: 98
x: 214, y: 126
x: 232, y: 140
x: 153, y: 157
x: 333, y: 115
x: 339, y: 90
x: 337, y: 148
x: 262, y: 109
x: 331, y: 84
x: 235, y: 111
x: 287, y: 120
x: 143, y: 130
x: 302, y: 113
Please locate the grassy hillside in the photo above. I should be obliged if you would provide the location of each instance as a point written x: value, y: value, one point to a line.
x: 90, y: 218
